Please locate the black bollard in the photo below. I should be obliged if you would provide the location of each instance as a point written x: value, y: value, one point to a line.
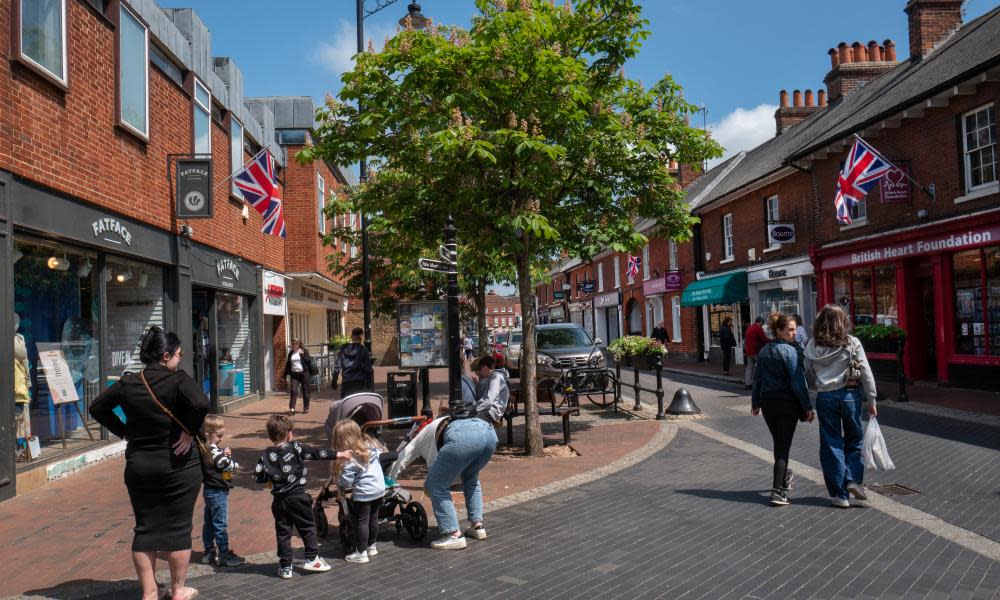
x: 638, y: 390
x: 682, y: 404
x: 618, y: 384
x: 659, y: 391
x: 900, y: 345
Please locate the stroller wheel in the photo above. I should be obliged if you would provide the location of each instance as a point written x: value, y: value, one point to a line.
x: 322, y: 523
x: 415, y: 520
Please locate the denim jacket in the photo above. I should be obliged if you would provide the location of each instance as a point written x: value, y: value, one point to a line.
x: 780, y: 372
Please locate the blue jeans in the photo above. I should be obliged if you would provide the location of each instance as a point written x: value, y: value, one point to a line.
x: 468, y: 446
x: 215, y: 531
x: 840, y: 438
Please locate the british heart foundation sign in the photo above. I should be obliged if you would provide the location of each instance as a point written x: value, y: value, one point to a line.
x: 895, y: 184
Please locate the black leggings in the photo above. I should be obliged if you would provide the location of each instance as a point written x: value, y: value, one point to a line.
x: 294, y: 381
x: 727, y: 357
x: 781, y: 423
x: 364, y: 520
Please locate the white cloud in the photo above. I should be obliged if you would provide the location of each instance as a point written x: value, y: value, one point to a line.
x: 743, y: 129
x: 336, y: 54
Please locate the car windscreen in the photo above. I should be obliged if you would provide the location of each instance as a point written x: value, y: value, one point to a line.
x: 515, y: 338
x: 569, y: 336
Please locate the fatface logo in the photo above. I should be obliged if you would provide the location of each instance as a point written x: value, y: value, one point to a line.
x: 782, y: 233
x: 194, y: 201
x: 108, y: 225
x: 227, y: 264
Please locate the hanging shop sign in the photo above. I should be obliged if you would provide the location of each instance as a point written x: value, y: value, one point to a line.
x: 971, y: 238
x: 781, y: 233
x: 589, y: 286
x: 274, y: 293
x: 194, y: 188
x: 674, y: 280
x: 558, y: 295
x: 895, y: 184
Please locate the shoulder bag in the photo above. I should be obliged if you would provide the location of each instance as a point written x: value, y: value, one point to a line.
x: 198, y: 439
x: 853, y: 368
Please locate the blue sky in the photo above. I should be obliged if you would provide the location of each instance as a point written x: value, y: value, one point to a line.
x: 732, y: 56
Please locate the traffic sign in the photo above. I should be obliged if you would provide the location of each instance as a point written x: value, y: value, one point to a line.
x: 436, y: 265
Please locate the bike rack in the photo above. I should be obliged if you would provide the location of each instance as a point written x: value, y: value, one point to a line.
x: 572, y: 373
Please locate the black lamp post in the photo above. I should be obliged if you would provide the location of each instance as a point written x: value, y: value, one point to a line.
x: 418, y: 21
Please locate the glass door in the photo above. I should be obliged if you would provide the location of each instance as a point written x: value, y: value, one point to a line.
x: 202, y: 324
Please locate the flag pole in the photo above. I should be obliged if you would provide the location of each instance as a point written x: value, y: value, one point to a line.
x: 253, y: 158
x: 927, y: 191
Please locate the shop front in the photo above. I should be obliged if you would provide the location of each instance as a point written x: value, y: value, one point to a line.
x: 608, y: 317
x: 557, y: 314
x: 720, y: 297
x: 576, y: 313
x: 316, y: 309
x: 939, y: 282
x: 275, y: 308
x: 786, y: 287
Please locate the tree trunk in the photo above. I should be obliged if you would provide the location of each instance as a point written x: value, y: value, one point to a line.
x: 481, y: 315
x: 533, y: 444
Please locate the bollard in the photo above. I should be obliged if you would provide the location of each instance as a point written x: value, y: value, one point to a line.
x: 659, y: 391
x: 682, y: 404
x: 618, y: 384
x: 638, y: 390
x: 900, y: 344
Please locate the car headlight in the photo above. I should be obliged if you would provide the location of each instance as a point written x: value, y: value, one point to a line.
x: 545, y: 359
x: 596, y: 361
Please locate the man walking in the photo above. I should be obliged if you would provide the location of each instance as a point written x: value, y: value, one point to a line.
x: 355, y: 364
x: 660, y: 333
x: 754, y: 340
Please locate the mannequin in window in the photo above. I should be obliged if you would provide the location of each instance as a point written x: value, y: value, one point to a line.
x: 22, y: 384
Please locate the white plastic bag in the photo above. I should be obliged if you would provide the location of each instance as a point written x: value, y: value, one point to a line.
x: 873, y: 450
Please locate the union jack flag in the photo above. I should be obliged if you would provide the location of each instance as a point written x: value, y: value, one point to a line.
x: 632, y: 269
x: 862, y: 169
x: 260, y: 190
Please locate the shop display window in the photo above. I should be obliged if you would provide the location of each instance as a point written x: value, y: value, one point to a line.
x: 235, y: 346
x: 135, y: 303
x: 886, y: 310
x: 716, y: 315
x: 976, y: 278
x: 868, y: 294
x: 862, y: 298
x: 778, y: 300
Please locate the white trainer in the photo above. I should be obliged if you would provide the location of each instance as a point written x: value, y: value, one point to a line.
x: 372, y: 550
x: 357, y: 557
x: 316, y: 565
x: 447, y: 542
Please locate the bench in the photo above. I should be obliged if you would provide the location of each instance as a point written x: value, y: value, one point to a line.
x: 545, y: 395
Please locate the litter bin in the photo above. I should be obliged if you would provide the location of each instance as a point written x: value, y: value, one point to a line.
x: 402, y: 391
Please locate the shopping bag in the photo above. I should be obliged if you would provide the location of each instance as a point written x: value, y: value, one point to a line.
x: 873, y: 449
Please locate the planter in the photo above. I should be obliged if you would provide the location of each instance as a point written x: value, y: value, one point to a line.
x: 645, y: 362
x: 883, y: 346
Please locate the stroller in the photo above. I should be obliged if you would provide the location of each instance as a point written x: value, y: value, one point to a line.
x: 398, y: 506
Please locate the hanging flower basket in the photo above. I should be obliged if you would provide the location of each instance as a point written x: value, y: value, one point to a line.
x: 637, y: 351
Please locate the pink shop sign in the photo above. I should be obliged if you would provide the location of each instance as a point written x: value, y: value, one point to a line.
x: 670, y: 282
x: 947, y: 242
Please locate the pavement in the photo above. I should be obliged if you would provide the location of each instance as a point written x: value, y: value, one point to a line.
x: 649, y: 509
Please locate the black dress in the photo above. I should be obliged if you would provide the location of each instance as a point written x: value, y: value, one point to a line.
x: 162, y: 486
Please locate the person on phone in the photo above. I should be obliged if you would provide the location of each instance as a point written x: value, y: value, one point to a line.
x: 831, y: 356
x: 781, y: 395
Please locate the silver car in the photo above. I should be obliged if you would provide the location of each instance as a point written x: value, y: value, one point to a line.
x: 511, y: 351
x: 563, y: 346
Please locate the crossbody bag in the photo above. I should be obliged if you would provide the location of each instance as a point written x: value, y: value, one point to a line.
x: 198, y: 439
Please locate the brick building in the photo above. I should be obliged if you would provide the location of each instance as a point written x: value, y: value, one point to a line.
x: 101, y: 97
x: 502, y: 312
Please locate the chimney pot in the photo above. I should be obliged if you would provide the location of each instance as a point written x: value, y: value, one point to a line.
x: 874, y: 52
x: 809, y: 98
x: 834, y: 58
x: 821, y: 98
x: 845, y: 53
x: 797, y: 98
x: 860, y: 54
x: 783, y: 97
x: 890, y: 50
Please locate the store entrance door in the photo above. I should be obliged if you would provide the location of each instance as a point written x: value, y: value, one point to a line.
x: 928, y: 339
x: 203, y: 323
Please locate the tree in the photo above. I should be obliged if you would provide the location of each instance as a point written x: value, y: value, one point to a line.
x: 525, y: 128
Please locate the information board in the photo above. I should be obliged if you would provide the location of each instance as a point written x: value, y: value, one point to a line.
x: 423, y: 337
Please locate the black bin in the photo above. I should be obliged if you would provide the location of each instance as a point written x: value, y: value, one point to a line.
x: 402, y: 391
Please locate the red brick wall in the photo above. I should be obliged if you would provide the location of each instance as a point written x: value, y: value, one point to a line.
x: 305, y: 250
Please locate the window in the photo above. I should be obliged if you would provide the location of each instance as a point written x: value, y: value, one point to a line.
x: 133, y: 72
x: 868, y: 294
x: 977, y: 301
x: 672, y: 252
x: 675, y: 311
x: 321, y: 202
x: 291, y: 136
x: 354, y: 227
x: 166, y: 65
x: 235, y: 150
x: 727, y: 236
x: 618, y: 272
x: 773, y: 216
x: 980, y: 139
x: 645, y: 262
x: 202, y: 119
x: 43, y: 36
x: 600, y: 277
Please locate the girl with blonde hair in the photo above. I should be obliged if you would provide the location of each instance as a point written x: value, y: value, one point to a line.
x: 363, y: 474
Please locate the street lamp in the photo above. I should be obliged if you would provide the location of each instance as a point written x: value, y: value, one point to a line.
x: 418, y: 21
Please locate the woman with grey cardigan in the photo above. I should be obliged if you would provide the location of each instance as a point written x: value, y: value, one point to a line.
x: 829, y: 355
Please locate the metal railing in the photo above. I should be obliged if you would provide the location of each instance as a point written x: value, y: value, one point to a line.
x: 638, y: 389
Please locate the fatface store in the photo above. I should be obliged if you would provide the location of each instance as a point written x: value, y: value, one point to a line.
x: 940, y: 283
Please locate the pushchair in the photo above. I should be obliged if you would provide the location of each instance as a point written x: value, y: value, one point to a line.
x: 398, y: 506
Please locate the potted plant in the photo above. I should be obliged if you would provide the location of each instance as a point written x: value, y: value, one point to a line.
x: 637, y: 351
x: 337, y: 342
x: 879, y: 338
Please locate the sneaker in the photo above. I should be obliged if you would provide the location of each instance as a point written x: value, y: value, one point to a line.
x: 316, y: 565
x: 285, y: 572
x: 209, y: 557
x: 447, y: 542
x: 477, y: 533
x: 857, y: 491
x: 229, y: 559
x: 357, y: 557
x: 786, y: 484
x: 778, y: 498
x: 840, y: 502
x: 372, y: 550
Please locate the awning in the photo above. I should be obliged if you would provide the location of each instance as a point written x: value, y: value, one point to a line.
x: 722, y: 289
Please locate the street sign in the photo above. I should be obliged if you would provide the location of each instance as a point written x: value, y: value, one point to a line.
x: 447, y: 255
x: 436, y: 265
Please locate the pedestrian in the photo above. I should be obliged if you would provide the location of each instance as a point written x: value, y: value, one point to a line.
x: 801, y: 335
x: 780, y: 393
x: 354, y: 363
x: 843, y: 380
x: 299, y: 368
x: 753, y: 339
x: 217, y: 473
x: 466, y: 445
x: 728, y: 342
x: 282, y: 468
x: 363, y: 474
x: 467, y: 344
x: 163, y: 406
x: 660, y: 333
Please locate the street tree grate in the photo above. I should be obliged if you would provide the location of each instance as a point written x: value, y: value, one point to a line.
x: 893, y: 489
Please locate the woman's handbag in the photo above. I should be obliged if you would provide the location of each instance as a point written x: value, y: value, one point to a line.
x: 853, y: 370
x: 198, y: 439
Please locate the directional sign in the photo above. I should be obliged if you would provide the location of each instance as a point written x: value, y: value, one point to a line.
x: 447, y: 255
x: 436, y: 265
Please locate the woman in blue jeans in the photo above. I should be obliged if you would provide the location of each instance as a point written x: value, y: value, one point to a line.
x: 829, y: 355
x: 465, y: 447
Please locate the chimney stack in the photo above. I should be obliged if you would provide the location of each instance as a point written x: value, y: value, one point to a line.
x: 855, y: 65
x: 787, y: 116
x: 931, y: 22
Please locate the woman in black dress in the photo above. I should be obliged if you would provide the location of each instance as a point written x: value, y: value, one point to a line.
x: 162, y: 466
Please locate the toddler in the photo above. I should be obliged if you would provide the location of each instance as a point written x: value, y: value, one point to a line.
x: 363, y: 473
x: 217, y: 471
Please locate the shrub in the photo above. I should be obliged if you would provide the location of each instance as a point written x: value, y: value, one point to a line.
x: 635, y: 345
x: 868, y: 333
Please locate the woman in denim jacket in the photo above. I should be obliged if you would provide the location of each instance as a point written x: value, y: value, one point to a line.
x: 781, y: 394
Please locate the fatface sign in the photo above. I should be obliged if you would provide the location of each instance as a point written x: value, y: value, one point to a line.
x: 194, y: 188
x: 781, y: 233
x: 111, y: 230
x: 949, y: 242
x: 227, y: 265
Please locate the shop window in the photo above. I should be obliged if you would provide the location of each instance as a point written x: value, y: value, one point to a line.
x: 727, y: 236
x: 42, y: 33
x: 56, y: 318
x: 202, y: 119
x: 133, y: 72
x: 675, y: 309
x: 235, y: 151
x: 235, y: 346
x: 861, y: 281
x: 135, y: 303
x: 716, y: 315
x: 976, y: 278
x: 334, y: 319
x: 778, y: 300
x: 868, y: 295
x: 979, y: 138
x: 886, y: 311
